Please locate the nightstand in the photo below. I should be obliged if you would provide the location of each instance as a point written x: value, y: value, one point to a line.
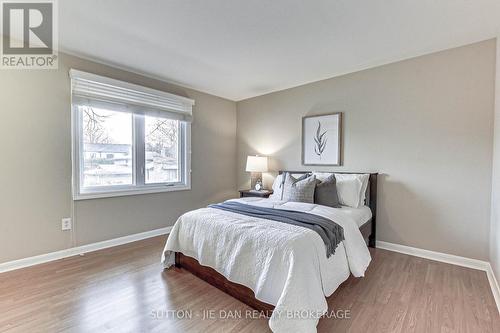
x: 254, y: 193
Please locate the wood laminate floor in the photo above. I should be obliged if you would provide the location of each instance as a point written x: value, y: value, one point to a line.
x: 124, y: 289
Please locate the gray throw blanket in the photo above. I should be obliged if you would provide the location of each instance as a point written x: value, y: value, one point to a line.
x: 331, y: 233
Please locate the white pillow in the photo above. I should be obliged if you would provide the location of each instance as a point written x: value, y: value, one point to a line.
x: 321, y: 176
x: 351, y: 189
x: 277, y: 188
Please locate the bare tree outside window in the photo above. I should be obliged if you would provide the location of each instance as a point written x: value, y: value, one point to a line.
x: 93, y: 126
x: 161, y: 136
x: 107, y: 147
x: 162, y: 159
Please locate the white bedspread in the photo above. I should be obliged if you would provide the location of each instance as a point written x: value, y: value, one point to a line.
x: 285, y: 265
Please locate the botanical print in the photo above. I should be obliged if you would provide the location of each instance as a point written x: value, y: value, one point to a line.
x: 321, y: 139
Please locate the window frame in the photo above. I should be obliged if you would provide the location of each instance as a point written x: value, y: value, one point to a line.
x: 138, y: 186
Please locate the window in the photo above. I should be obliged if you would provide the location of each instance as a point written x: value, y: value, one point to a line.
x: 127, y: 139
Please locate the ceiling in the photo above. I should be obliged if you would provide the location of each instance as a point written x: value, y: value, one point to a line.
x: 243, y: 48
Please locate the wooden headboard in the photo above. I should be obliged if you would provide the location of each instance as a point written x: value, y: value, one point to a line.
x: 371, y: 199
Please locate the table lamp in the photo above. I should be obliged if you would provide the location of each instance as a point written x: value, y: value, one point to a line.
x: 256, y: 165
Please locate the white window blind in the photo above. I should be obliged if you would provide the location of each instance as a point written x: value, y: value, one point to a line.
x: 102, y: 92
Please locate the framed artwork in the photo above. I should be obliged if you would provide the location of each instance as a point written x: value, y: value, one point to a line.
x: 322, y: 139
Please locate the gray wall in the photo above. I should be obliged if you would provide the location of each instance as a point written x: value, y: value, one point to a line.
x: 35, y: 168
x: 425, y: 124
x: 495, y: 189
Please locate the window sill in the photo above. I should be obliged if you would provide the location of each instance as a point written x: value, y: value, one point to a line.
x: 132, y: 191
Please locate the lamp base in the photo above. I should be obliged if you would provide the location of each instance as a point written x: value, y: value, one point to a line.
x: 255, y: 177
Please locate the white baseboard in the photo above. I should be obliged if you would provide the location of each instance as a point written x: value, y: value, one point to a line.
x: 449, y: 259
x: 437, y: 256
x: 495, y: 288
x: 43, y: 258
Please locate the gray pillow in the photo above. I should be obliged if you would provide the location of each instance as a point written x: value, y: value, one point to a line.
x: 299, y: 190
x: 326, y: 193
x: 282, y: 183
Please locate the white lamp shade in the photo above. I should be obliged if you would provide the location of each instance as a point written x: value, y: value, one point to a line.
x: 256, y: 164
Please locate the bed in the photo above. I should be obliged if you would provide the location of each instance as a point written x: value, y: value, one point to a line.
x: 276, y: 268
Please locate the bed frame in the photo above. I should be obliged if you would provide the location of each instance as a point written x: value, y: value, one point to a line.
x: 245, y: 294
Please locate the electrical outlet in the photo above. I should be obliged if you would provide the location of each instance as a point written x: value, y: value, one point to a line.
x: 66, y: 224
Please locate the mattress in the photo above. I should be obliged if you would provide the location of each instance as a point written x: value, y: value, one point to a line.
x: 360, y: 215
